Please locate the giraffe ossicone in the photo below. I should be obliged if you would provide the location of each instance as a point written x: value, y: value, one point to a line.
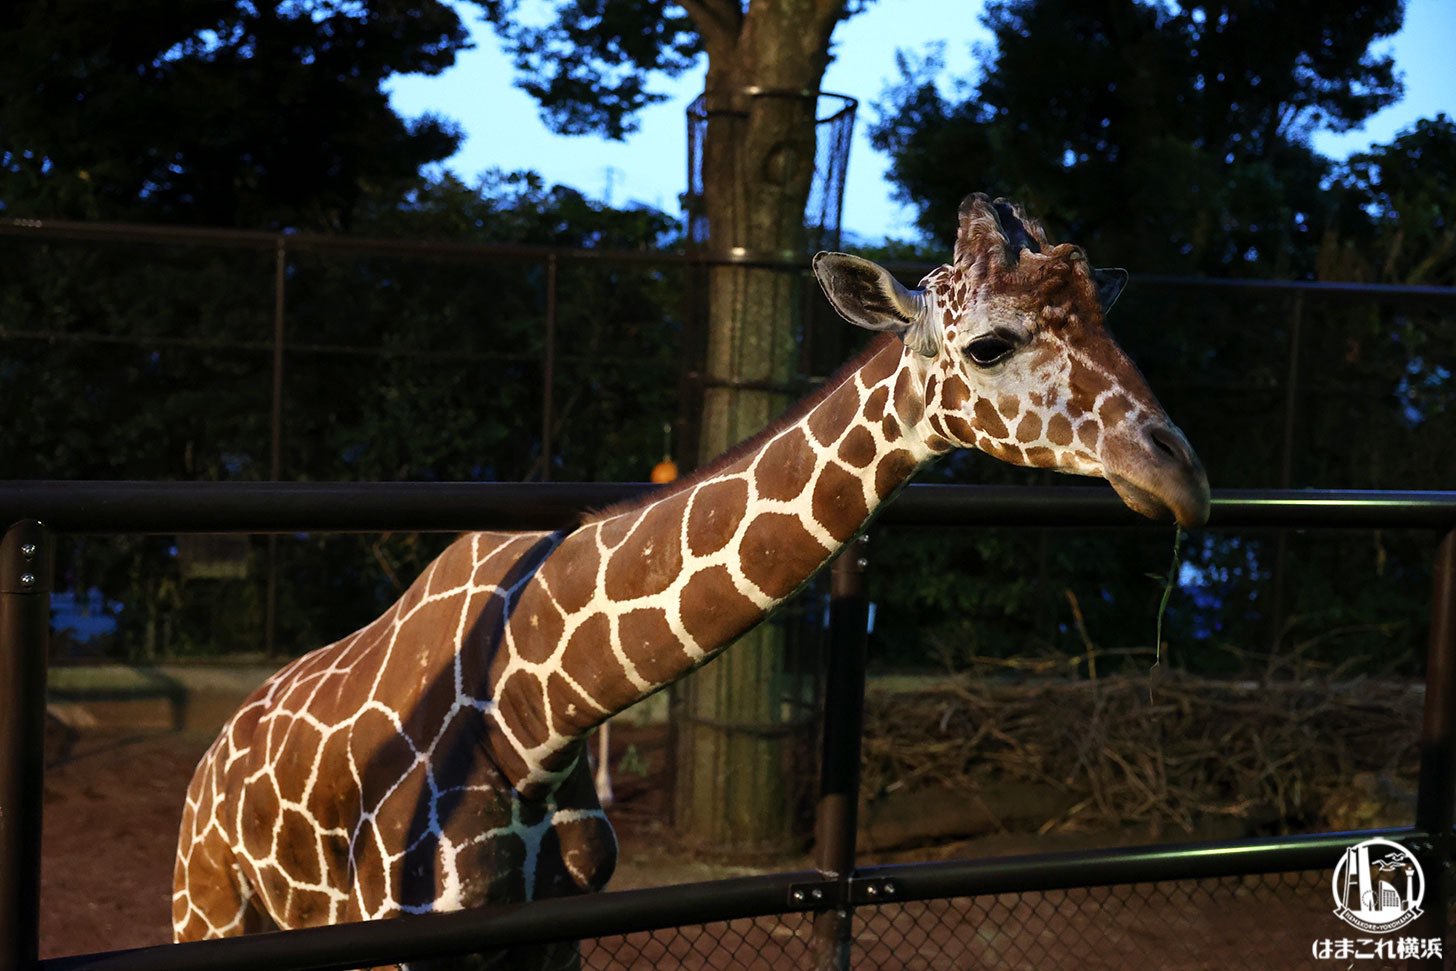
x: 433, y: 760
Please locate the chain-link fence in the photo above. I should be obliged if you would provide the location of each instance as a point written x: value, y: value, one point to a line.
x: 1256, y: 922
x: 748, y: 944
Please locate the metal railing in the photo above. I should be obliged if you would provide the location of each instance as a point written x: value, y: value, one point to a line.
x: 829, y: 899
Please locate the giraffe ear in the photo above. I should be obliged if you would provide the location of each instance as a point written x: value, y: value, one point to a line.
x: 867, y: 295
x: 1109, y: 285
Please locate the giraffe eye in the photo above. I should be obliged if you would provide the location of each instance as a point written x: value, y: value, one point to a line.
x: 989, y: 350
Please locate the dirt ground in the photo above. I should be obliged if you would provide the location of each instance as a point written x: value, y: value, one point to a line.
x: 113, y: 801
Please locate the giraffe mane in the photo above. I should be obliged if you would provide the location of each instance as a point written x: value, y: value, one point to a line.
x: 991, y: 235
x: 1058, y: 282
x: 1001, y: 248
x: 1022, y: 232
x: 792, y: 416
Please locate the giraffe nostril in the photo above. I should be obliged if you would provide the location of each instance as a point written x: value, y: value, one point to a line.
x: 1169, y: 443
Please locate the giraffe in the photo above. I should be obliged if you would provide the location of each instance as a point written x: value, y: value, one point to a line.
x: 433, y: 760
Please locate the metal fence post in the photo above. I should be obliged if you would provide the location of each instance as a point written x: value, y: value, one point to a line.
x: 25, y: 614
x: 837, y: 819
x: 548, y: 369
x: 1436, y: 798
x: 1286, y: 469
x: 275, y: 437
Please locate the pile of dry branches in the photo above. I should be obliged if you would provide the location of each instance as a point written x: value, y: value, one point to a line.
x: 1170, y: 751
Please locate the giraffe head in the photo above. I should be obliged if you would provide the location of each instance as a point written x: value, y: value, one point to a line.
x: 1008, y: 352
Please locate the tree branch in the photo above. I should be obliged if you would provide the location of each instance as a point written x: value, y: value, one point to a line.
x: 719, y: 21
x: 827, y: 14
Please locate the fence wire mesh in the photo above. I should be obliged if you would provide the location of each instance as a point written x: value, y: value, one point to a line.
x: 1256, y: 922
x: 751, y: 944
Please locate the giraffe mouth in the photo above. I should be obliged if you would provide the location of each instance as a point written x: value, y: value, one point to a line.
x: 1157, y: 474
x: 1186, y: 501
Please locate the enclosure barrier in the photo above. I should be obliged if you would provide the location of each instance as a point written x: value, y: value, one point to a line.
x: 828, y: 900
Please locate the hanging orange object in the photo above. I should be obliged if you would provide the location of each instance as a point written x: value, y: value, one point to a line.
x: 666, y: 470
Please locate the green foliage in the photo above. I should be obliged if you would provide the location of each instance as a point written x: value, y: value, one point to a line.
x: 214, y: 113
x: 1164, y: 137
x: 589, y: 68
x: 1395, y: 206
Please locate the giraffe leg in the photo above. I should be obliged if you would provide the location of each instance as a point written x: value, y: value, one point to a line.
x: 603, y: 777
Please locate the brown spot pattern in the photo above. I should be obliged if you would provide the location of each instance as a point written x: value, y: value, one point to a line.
x: 833, y: 414
x: 536, y: 626
x: 1029, y: 428
x: 858, y: 447
x: 595, y: 667
x: 262, y: 800
x: 569, y: 708
x: 651, y: 558
x: 883, y: 364
x: 713, y: 611
x: 1059, y: 430
x: 717, y: 510
x: 368, y: 860
x: 573, y: 575
x: 522, y: 703
x: 650, y: 645
x: 874, y: 408
x: 786, y: 466
x: 297, y: 851
x: 1114, y: 410
x: 955, y: 393
x: 839, y: 504
x: 961, y: 429
x: 990, y: 419
x: 778, y: 552
x: 1086, y: 384
x: 908, y: 405
x: 892, y: 471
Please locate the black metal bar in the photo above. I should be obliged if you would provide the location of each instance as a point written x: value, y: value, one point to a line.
x: 374, y: 943
x: 1142, y: 864
x: 26, y: 556
x: 956, y: 505
x: 287, y: 507
x: 1436, y: 797
x: 290, y: 507
x: 1286, y: 469
x: 280, y: 308
x: 252, y: 239
x: 836, y: 822
x: 548, y: 369
x: 321, y: 242
x: 275, y: 439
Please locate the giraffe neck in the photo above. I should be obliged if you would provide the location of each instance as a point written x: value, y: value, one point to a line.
x: 636, y: 599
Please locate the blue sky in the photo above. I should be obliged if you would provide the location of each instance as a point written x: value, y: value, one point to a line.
x: 503, y: 129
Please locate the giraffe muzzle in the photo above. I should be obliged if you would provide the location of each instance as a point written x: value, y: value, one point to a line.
x: 1164, y: 477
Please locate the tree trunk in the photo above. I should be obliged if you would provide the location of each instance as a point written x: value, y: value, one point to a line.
x: 739, y: 768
